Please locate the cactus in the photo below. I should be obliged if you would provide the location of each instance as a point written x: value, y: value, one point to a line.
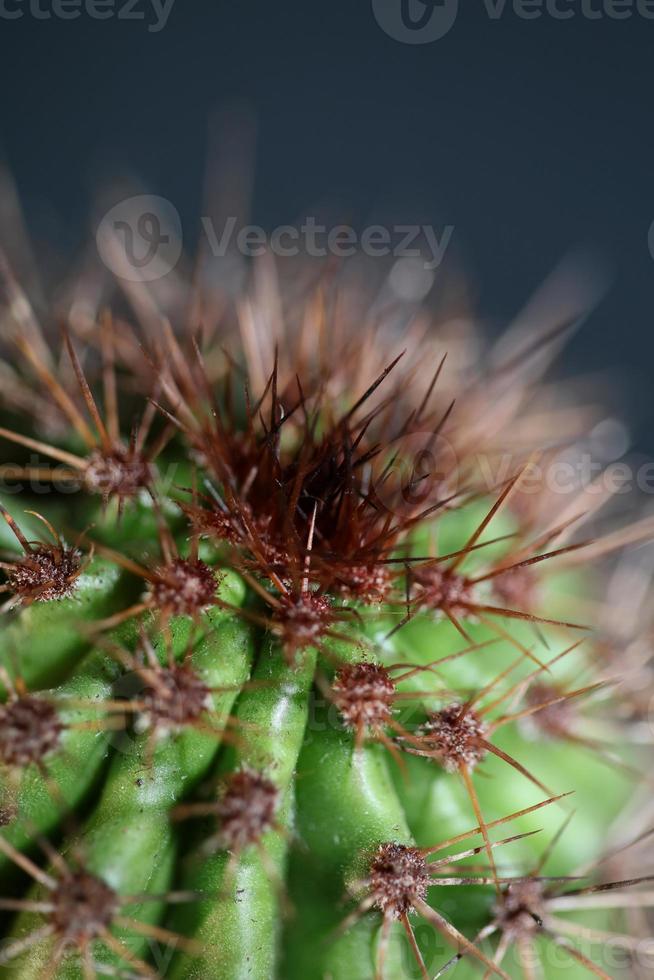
x: 291, y: 686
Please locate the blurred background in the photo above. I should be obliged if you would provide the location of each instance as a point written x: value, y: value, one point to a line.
x: 524, y: 131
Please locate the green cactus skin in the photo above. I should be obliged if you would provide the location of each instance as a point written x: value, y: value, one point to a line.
x: 49, y: 633
x: 140, y: 800
x: 129, y: 838
x: 75, y: 765
x: 275, y: 716
x: 238, y: 938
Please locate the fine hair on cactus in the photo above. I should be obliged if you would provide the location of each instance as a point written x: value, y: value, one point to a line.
x: 308, y: 672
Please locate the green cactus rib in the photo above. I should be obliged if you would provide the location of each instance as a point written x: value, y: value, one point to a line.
x: 241, y: 937
x: 47, y: 637
x: 274, y: 717
x: 129, y: 839
x: 348, y: 803
x: 77, y: 762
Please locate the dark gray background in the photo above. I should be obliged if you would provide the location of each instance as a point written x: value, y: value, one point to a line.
x: 530, y: 136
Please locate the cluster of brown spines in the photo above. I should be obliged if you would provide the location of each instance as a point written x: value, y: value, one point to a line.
x: 438, y: 588
x: 370, y: 583
x: 182, y: 587
x: 298, y: 493
x: 399, y: 876
x: 282, y: 476
x: 301, y: 621
x: 47, y: 572
x: 520, y: 911
x: 453, y: 736
x: 117, y: 473
x: 303, y: 507
x: 364, y: 694
x: 110, y: 466
x: 175, y: 698
x: 30, y: 730
x: 79, y: 912
x: 83, y: 908
x: 246, y: 809
x: 299, y: 499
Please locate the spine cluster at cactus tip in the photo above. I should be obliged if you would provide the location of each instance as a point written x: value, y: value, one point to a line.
x: 308, y: 671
